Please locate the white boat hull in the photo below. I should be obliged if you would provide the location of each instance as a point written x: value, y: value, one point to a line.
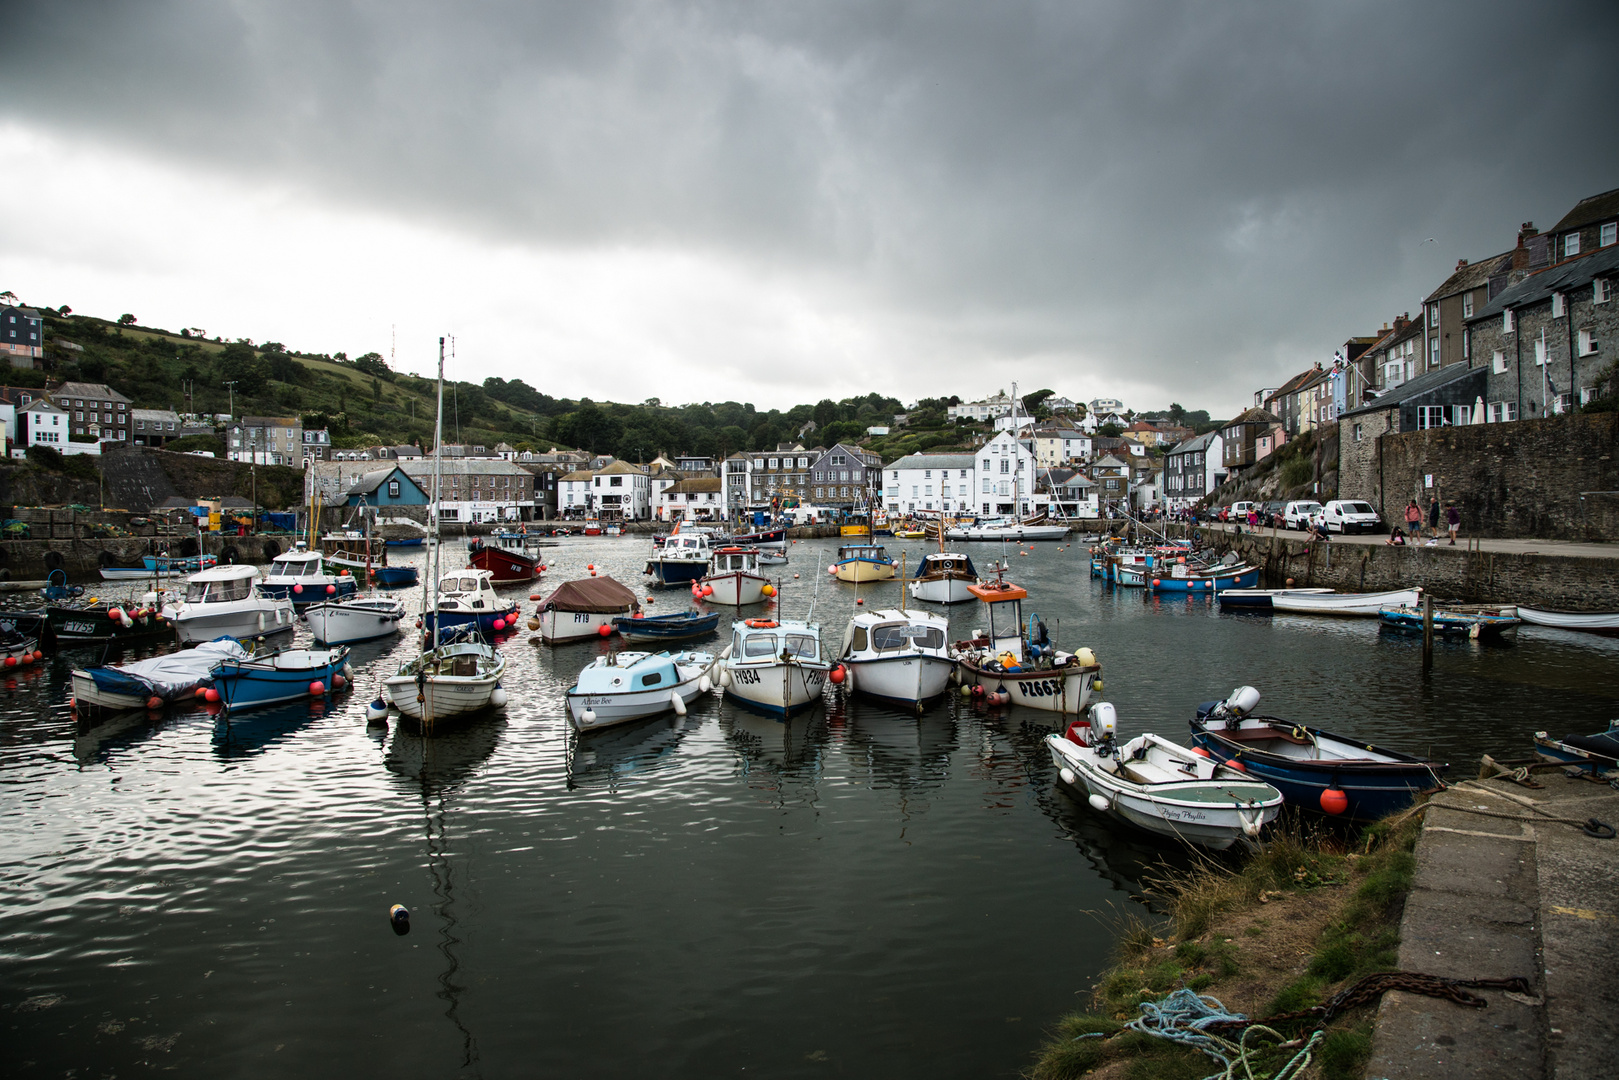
x: 592, y: 711
x: 909, y: 680
x: 86, y: 692
x: 942, y: 590
x: 736, y: 588
x: 558, y: 626
x: 238, y: 619
x: 340, y: 624
x: 776, y: 687
x: 1359, y: 605
x: 1007, y: 532
x: 1594, y: 622
x: 1059, y: 690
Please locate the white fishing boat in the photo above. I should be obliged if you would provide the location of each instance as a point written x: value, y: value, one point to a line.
x: 152, y: 683
x: 1015, y: 661
x: 899, y: 656
x: 1591, y: 622
x: 1360, y: 605
x: 223, y: 601
x: 457, y: 673
x: 734, y: 578
x: 1006, y: 529
x: 301, y: 576
x: 359, y: 619
x: 682, y: 559
x: 1159, y: 786
x: 627, y: 686
x: 943, y: 578
x: 584, y: 608
x: 777, y: 667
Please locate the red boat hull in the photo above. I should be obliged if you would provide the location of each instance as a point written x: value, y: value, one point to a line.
x: 504, y: 565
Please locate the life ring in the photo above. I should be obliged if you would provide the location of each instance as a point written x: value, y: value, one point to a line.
x: 762, y: 624
x: 271, y: 550
x: 53, y: 560
x: 229, y: 555
x: 107, y: 558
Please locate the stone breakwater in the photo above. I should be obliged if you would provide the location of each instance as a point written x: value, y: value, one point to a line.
x: 1542, y: 579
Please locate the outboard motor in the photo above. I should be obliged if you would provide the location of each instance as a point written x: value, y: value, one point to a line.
x: 1104, y: 724
x: 1243, y: 700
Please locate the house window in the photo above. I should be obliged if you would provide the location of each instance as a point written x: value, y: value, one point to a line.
x: 803, y: 463
x: 1433, y: 352
x: 1503, y: 411
x: 1508, y: 323
x: 1430, y: 416
x: 1433, y: 316
x: 1540, y: 354
x: 393, y: 489
x: 1357, y: 433
x: 1559, y: 305
x: 1601, y: 290
x: 1467, y: 344
x: 1499, y: 363
x: 1587, y: 394
x: 1562, y: 404
x: 1571, y: 244
x: 1588, y: 343
x: 1610, y: 234
x: 1467, y: 305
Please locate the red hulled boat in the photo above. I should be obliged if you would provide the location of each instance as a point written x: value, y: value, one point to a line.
x: 504, y: 564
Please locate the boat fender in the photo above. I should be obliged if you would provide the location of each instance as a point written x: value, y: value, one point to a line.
x: 703, y: 684
x: 604, y: 630
x: 534, y: 624
x: 1250, y: 825
x: 1096, y: 685
x: 317, y: 688
x: 376, y: 712
x: 977, y: 690
x: 966, y: 691
x: 998, y: 697
x: 725, y: 677
x: 348, y: 671
x: 587, y: 715
x: 839, y: 673
x: 1334, y: 801
x: 1100, y: 803
x: 677, y: 703
x: 1086, y: 657
x: 261, y: 622
x: 212, y: 695
x: 337, y: 682
x: 497, y: 696
x: 154, y: 702
x: 399, y: 919
x: 1067, y: 776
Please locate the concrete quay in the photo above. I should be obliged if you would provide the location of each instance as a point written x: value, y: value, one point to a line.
x: 1498, y: 898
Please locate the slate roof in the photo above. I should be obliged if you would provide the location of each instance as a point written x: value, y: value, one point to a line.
x: 1200, y: 442
x: 934, y: 461
x: 1422, y: 384
x: 84, y: 389
x: 1474, y: 275
x: 423, y: 467
x: 369, y: 482
x: 621, y: 468
x: 1255, y: 415
x: 697, y: 485
x: 1562, y: 277
x: 1589, y: 211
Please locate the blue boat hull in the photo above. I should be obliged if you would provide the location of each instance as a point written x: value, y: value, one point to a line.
x: 245, y: 687
x: 395, y: 577
x: 485, y: 619
x: 1248, y: 579
x: 312, y: 594
x: 676, y: 573
x: 667, y: 627
x: 414, y: 541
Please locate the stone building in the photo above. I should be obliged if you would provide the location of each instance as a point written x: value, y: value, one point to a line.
x: 155, y: 427
x: 845, y: 477
x: 94, y: 408
x: 1548, y: 341
x: 267, y: 440
x: 1444, y: 397
x: 22, y: 336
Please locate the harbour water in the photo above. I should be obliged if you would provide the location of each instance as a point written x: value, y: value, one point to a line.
x: 855, y: 892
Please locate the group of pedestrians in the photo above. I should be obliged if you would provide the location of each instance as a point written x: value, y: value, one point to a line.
x: 1413, y: 522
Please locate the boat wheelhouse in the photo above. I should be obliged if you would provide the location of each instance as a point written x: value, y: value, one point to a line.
x: 1014, y: 660
x: 898, y: 656
x: 775, y: 667
x: 628, y: 686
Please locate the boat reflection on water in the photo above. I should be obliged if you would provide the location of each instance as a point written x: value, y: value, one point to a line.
x: 902, y: 750
x: 777, y: 755
x: 245, y: 735
x: 94, y: 741
x: 429, y: 767
x: 605, y: 757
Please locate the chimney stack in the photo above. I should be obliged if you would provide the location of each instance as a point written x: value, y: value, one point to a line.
x: 1461, y: 264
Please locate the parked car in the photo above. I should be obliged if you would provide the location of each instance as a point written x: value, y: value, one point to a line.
x: 1348, y: 516
x: 1271, y: 513
x: 1299, y: 512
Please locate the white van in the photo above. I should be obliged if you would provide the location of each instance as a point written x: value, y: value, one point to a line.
x: 1348, y: 516
x: 1239, y: 511
x: 1298, y: 513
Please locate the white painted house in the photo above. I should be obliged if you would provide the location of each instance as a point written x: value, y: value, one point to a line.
x: 1006, y: 469
x: 930, y: 483
x: 697, y: 499
x: 621, y: 492
x: 41, y: 423
x: 573, y: 494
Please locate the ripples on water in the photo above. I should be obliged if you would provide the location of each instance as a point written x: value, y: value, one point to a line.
x: 857, y: 890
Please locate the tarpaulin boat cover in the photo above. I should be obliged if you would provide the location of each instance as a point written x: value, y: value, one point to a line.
x: 168, y: 676
x: 597, y: 596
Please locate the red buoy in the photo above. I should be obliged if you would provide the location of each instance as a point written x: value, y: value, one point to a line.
x: 317, y: 688
x: 604, y: 630
x: 500, y: 624
x: 212, y: 695
x: 202, y: 692
x: 154, y: 702
x: 1236, y: 764
x: 299, y: 589
x: 11, y: 661
x: 330, y: 589
x: 590, y: 566
x: 1334, y: 801
x: 115, y: 614
x: 337, y: 682
x: 839, y: 674
x: 1199, y: 751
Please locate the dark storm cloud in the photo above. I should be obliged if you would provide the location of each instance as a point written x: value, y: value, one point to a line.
x: 1192, y: 197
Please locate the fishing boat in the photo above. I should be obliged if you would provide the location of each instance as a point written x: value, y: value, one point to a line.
x: 1590, y: 622
x: 1259, y: 599
x: 348, y: 548
x: 767, y: 539
x: 504, y: 564
x: 95, y: 619
x: 468, y: 598
x: 1160, y: 787
x: 300, y: 575
x: 1009, y: 529
x: 1185, y: 579
x: 224, y: 602
x: 1358, y: 605
x: 682, y: 559
x: 457, y: 673
x: 154, y: 683
x: 857, y: 563
x: 359, y: 618
x: 734, y: 578
x: 255, y: 682
x: 1016, y: 662
x: 775, y: 667
x: 394, y: 577
x: 18, y: 650
x: 641, y: 629
x: 772, y: 558
x: 626, y: 686
x: 1598, y: 752
x: 158, y: 566
x: 1452, y: 620
x: 1314, y: 769
x: 944, y: 578
x: 583, y: 608
x: 898, y: 656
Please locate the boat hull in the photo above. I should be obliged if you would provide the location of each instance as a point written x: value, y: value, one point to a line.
x: 504, y: 565
x: 313, y: 591
x: 75, y: 626
x: 1246, y: 578
x: 736, y: 588
x: 485, y: 620
x: 1014, y: 533
x: 859, y: 571
x: 942, y: 589
x: 912, y: 680
x: 650, y: 631
x: 195, y: 625
x: 1590, y: 622
x: 1059, y: 690
x: 1447, y: 624
x: 340, y: 624
x: 244, y: 685
x: 87, y: 693
x: 394, y: 577
x: 440, y: 697
x: 1345, y: 605
x: 1260, y: 599
x: 776, y: 688
x: 591, y: 712
x: 676, y: 571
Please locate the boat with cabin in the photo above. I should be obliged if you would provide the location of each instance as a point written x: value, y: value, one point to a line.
x: 625, y: 686
x: 1314, y: 770
x: 859, y: 563
x: 1008, y: 529
x: 300, y: 575
x: 1015, y: 661
x: 898, y: 656
x: 682, y: 558
x: 223, y: 601
x: 1159, y: 786
x: 944, y: 578
x: 775, y: 667
x: 583, y: 608
x: 503, y: 564
x: 734, y: 578
x: 467, y: 598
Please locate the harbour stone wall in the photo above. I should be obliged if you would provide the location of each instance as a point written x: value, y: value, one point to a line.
x: 1552, y: 479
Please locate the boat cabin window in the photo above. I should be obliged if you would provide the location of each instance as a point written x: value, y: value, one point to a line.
x: 803, y: 646
x: 652, y: 679
x: 1005, y: 618
x: 216, y: 592
x: 857, y: 640
x: 759, y: 645
x: 899, y: 635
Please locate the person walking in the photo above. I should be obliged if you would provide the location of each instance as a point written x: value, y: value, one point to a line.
x: 1413, y: 518
x: 1433, y: 518
x: 1453, y: 518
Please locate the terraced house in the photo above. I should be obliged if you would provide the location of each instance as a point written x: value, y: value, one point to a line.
x: 94, y: 408
x: 477, y: 489
x: 781, y: 477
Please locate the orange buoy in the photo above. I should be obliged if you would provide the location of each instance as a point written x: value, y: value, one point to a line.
x: 1334, y: 801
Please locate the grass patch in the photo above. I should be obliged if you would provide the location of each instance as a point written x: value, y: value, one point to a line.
x: 1343, y: 1054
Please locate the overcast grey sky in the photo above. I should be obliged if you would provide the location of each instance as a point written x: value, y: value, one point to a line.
x: 779, y: 202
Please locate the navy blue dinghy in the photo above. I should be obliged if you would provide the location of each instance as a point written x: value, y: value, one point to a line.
x: 1314, y: 769
x: 650, y: 629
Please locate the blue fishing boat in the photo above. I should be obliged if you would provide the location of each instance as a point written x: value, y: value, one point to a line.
x: 408, y: 541
x: 394, y: 577
x: 1181, y: 580
x: 644, y: 630
x: 288, y: 675
x: 1453, y: 621
x: 301, y: 576
x: 468, y: 597
x: 1599, y: 752
x: 1314, y: 769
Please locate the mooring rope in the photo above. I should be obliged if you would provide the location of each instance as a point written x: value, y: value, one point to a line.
x: 1601, y: 830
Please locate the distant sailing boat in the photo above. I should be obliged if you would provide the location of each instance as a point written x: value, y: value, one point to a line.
x: 460, y: 673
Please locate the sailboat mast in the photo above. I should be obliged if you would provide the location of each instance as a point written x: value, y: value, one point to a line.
x: 438, y: 488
